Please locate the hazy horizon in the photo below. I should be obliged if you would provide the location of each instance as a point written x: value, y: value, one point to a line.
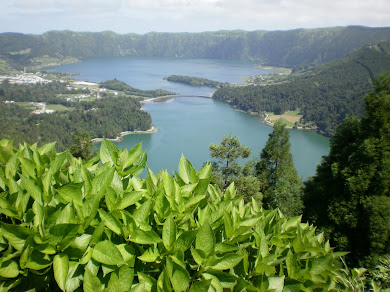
x: 141, y: 17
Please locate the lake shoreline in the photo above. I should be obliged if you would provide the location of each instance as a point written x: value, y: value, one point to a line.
x: 119, y: 138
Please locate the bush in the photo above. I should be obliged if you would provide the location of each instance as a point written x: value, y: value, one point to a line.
x: 71, y: 225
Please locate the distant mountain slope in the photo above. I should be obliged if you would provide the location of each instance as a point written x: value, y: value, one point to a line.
x: 325, y: 95
x: 281, y: 48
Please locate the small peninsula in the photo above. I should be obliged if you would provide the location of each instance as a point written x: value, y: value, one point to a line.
x: 196, y: 81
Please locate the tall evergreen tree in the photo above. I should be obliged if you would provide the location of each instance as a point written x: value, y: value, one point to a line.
x: 349, y: 197
x: 279, y: 181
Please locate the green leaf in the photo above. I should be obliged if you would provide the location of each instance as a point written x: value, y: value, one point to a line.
x: 141, y: 215
x: 169, y: 233
x: 47, y: 148
x: 128, y: 253
x: 108, y: 152
x: 75, y: 276
x: 221, y: 247
x: 32, y: 188
x: 16, y: 235
x: 28, y: 167
x: 133, y: 155
x: 58, y: 163
x: 63, y: 234
x: 205, y: 239
x: 91, y: 282
x: 110, y: 221
x: 200, y: 286
x: 121, y: 280
x: 185, y: 240
x: 228, y: 261
x: 9, y: 269
x: 205, y: 172
x: 169, y: 185
x: 163, y: 284
x: 262, y: 268
x: 129, y: 199
x: 291, y: 285
x: 38, y: 261
x: 186, y: 171
x: 150, y: 255
x: 145, y: 237
x: 102, y: 180
x: 61, y: 269
x: 228, y: 224
x: 198, y: 255
x: 106, y: 252
x: 320, y: 265
x: 71, y: 193
x: 11, y: 167
x: 180, y: 278
x: 46, y: 248
x: 276, y: 283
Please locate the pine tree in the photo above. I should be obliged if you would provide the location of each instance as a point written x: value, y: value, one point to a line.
x: 279, y: 181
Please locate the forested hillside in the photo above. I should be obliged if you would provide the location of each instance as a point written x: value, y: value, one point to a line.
x: 281, y: 48
x: 98, y: 118
x: 325, y: 95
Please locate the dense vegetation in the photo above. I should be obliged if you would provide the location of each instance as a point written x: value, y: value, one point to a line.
x: 349, y: 197
x: 280, y: 48
x: 195, y: 81
x: 129, y: 90
x: 98, y: 118
x: 325, y: 95
x: 67, y: 225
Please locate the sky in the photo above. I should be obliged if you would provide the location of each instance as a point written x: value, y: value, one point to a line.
x: 143, y: 16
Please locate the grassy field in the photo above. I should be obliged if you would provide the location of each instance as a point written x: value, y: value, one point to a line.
x: 56, y: 107
x: 289, y: 118
x: 59, y: 107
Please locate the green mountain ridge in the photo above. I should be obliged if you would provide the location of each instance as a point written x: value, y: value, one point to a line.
x: 280, y: 48
x: 325, y: 95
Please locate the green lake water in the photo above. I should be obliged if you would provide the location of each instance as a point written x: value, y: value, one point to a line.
x: 188, y: 125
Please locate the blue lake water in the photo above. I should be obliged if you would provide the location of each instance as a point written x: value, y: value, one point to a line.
x: 189, y: 125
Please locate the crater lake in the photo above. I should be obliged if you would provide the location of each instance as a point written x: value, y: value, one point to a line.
x: 188, y: 125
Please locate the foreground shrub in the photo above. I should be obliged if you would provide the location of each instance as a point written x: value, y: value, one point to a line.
x: 97, y: 226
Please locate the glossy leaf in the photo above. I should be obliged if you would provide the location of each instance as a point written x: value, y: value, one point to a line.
x: 61, y: 269
x: 108, y: 152
x: 205, y: 239
x: 144, y: 237
x: 106, y: 252
x: 169, y: 233
x: 186, y: 171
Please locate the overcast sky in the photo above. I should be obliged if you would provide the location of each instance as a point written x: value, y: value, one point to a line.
x: 142, y: 16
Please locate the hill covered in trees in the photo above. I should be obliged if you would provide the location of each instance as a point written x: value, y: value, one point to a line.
x: 97, y: 117
x: 280, y: 48
x: 325, y: 94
